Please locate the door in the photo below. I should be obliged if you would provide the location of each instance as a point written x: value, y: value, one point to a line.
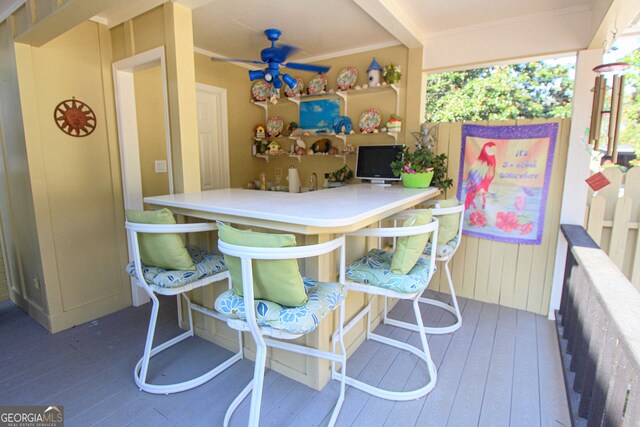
x: 213, y: 137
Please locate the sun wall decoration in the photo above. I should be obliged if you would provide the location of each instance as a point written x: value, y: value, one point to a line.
x: 74, y: 118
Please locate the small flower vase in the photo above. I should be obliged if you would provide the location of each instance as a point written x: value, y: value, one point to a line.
x: 417, y: 180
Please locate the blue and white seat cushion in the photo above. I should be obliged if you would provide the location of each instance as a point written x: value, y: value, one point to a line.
x: 442, y: 250
x: 375, y: 269
x: 207, y: 264
x: 323, y: 297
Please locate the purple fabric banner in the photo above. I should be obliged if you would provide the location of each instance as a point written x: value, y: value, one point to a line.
x: 504, y: 180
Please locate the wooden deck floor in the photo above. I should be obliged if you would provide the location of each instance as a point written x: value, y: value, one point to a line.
x: 502, y: 368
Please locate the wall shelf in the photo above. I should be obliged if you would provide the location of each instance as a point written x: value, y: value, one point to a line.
x: 344, y: 95
x: 299, y: 157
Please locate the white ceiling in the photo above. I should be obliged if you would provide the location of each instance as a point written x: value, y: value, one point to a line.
x: 320, y: 28
x: 452, y: 33
x: 433, y: 16
x: 235, y: 28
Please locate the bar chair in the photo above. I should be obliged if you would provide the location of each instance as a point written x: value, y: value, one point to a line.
x: 372, y: 275
x: 268, y: 320
x: 209, y: 268
x: 444, y: 253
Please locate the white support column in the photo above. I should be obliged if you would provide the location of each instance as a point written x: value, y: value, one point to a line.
x: 574, y: 196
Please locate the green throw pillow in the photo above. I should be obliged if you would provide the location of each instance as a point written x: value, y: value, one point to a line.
x: 448, y: 228
x: 160, y: 250
x: 273, y: 280
x: 409, y: 248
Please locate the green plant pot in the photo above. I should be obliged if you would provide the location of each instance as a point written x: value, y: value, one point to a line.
x: 417, y: 180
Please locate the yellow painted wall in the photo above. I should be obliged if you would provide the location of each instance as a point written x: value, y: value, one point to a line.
x: 151, y: 130
x: 244, y: 116
x: 16, y: 200
x: 170, y: 26
x: 76, y: 181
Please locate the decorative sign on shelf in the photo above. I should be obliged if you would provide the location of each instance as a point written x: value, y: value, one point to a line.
x: 504, y: 180
x: 74, y: 118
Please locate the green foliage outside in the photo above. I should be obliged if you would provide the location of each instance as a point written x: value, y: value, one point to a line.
x: 630, y: 127
x: 529, y: 90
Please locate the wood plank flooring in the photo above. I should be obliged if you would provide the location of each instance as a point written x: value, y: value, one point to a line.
x: 502, y: 368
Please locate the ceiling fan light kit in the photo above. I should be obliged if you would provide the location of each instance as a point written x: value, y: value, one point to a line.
x: 274, y: 57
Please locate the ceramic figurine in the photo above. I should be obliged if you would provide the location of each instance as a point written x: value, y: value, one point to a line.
x: 394, y: 124
x: 264, y: 144
x: 291, y: 127
x: 392, y: 74
x: 342, y: 124
x: 273, y: 147
x: 375, y: 73
x: 260, y: 131
x: 321, y: 146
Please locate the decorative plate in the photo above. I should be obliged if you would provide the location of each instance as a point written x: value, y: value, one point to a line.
x: 318, y: 84
x: 273, y: 91
x: 369, y: 121
x: 261, y: 90
x: 297, y: 90
x: 347, y: 78
x: 274, y: 126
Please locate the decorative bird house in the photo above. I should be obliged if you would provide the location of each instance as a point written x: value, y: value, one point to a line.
x: 375, y: 73
x: 260, y: 131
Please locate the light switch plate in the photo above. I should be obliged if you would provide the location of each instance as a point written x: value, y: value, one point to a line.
x: 161, y: 166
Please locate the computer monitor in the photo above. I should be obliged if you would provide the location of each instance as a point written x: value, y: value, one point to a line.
x: 374, y: 162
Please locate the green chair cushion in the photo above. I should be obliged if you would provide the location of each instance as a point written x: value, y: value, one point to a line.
x: 409, y: 248
x: 323, y: 297
x: 448, y: 228
x: 273, y: 280
x: 206, y: 264
x: 375, y: 269
x: 164, y: 250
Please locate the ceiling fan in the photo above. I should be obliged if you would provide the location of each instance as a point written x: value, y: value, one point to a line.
x: 274, y: 57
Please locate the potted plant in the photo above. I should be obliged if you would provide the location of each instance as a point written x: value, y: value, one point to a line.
x: 422, y: 167
x: 340, y: 177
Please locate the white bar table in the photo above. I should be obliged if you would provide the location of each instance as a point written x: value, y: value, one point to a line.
x: 318, y: 216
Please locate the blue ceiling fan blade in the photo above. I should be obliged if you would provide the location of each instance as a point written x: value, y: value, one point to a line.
x: 250, y: 61
x: 306, y: 67
x: 287, y: 49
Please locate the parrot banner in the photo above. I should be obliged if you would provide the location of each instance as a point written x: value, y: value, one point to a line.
x: 504, y: 180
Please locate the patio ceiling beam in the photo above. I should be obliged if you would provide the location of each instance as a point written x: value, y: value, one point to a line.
x: 393, y: 19
x: 618, y: 16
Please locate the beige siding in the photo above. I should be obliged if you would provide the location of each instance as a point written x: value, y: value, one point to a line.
x: 518, y: 276
x: 75, y: 181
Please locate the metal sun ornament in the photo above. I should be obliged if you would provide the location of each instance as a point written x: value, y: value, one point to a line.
x: 74, y: 118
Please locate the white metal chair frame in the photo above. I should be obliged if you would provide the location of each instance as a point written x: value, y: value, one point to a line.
x: 454, y: 308
x: 424, y: 354
x: 246, y: 255
x: 142, y: 367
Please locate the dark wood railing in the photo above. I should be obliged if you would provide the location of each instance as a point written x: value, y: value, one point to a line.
x: 599, y: 331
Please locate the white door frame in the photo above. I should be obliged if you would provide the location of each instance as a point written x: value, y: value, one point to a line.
x: 125, y: 97
x: 224, y: 131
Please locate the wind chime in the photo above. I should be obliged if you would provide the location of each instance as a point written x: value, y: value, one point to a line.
x: 614, y: 72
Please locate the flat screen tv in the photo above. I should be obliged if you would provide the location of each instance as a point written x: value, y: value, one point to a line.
x: 374, y: 162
